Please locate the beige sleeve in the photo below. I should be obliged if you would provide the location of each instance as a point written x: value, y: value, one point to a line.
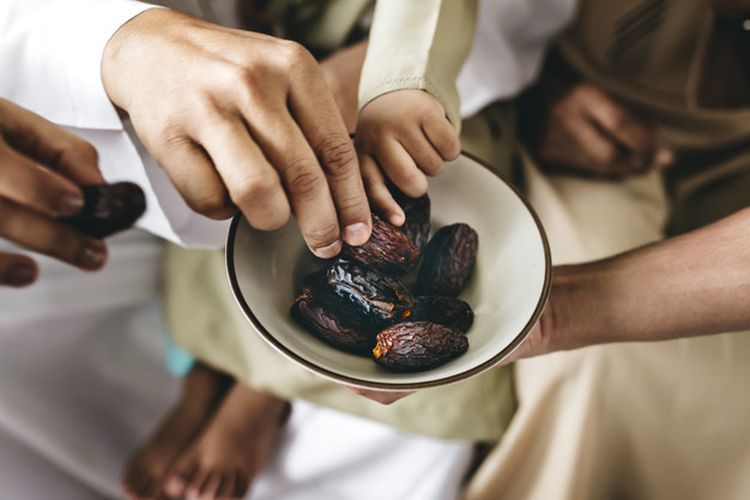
x: 419, y: 44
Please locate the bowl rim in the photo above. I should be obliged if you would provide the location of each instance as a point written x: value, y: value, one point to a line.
x: 398, y: 386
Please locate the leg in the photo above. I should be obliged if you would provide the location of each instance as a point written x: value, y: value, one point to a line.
x: 232, y: 449
x: 203, y: 389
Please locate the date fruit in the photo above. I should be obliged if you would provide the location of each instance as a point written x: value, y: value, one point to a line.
x: 108, y: 209
x: 417, y: 225
x: 328, y: 327
x: 411, y: 347
x: 376, y: 298
x: 447, y: 311
x: 389, y: 249
x: 448, y: 261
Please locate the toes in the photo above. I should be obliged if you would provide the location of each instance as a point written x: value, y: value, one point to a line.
x: 241, y: 484
x: 197, y: 484
x: 177, y: 481
x: 227, y: 486
x: 211, y: 486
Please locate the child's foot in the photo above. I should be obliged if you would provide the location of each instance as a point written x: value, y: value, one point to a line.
x: 232, y: 449
x: 203, y: 390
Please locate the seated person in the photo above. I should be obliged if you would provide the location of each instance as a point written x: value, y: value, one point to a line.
x: 629, y: 107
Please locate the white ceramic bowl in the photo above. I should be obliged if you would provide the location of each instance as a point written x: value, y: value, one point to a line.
x: 507, y: 291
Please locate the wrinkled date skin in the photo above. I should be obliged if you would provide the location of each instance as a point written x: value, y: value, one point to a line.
x: 417, y: 211
x: 108, y: 209
x: 446, y: 311
x: 418, y: 346
x: 389, y: 249
x: 328, y: 327
x: 370, y: 296
x: 448, y: 261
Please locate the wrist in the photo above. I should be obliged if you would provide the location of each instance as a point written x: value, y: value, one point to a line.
x: 580, y: 307
x: 121, y: 52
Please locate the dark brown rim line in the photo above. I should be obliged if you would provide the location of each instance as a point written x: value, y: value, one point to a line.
x: 385, y: 386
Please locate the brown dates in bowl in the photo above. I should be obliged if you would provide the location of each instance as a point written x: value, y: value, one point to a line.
x: 448, y: 261
x: 447, y: 311
x: 325, y: 324
x: 418, y: 346
x: 389, y: 249
x: 417, y: 212
x: 377, y: 298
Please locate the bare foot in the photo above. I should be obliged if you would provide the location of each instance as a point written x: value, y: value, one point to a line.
x: 202, y: 391
x: 232, y: 449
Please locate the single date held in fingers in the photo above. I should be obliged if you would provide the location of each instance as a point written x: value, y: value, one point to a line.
x: 389, y: 249
x: 108, y: 209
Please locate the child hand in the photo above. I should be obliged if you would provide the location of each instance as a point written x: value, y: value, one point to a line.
x: 406, y: 136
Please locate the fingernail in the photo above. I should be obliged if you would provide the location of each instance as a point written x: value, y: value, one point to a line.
x: 397, y: 219
x: 663, y: 157
x: 356, y: 234
x: 92, y: 256
x: 328, y: 251
x: 70, y: 204
x: 20, y: 275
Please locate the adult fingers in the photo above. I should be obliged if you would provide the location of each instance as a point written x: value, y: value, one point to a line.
x: 27, y: 183
x: 400, y: 168
x: 377, y: 189
x: 307, y: 186
x: 253, y: 185
x: 597, y: 151
x: 382, y: 397
x: 39, y: 233
x: 442, y: 136
x: 194, y: 176
x: 632, y: 134
x: 49, y: 144
x: 17, y: 270
x: 315, y: 110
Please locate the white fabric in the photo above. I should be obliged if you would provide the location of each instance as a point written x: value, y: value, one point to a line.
x: 81, y: 376
x: 53, y: 50
x: 77, y: 398
x: 509, y: 47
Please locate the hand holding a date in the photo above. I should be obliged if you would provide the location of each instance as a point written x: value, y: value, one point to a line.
x: 240, y: 121
x: 41, y: 170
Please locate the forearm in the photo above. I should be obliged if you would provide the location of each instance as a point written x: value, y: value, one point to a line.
x: 695, y: 284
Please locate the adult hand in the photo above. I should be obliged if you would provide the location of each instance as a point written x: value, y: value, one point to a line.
x: 382, y: 397
x: 240, y: 120
x: 41, y: 167
x: 583, y: 129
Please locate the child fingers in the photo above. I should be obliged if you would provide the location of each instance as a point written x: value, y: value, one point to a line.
x: 442, y: 136
x: 377, y: 191
x: 427, y: 158
x: 401, y: 169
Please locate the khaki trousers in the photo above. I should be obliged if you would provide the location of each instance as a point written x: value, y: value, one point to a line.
x: 660, y: 421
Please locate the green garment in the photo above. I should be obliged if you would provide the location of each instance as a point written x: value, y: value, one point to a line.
x: 205, y: 321
x: 419, y: 44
